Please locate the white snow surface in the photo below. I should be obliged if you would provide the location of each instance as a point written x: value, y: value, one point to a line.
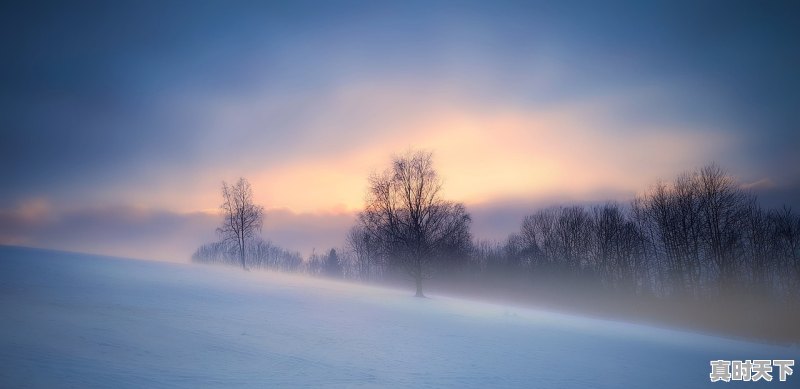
x: 75, y: 320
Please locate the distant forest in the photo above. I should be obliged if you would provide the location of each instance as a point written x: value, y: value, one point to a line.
x: 697, y: 237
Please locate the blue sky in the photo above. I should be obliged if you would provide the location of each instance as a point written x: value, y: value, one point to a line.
x: 120, y: 119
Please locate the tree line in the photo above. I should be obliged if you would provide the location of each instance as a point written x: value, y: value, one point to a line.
x: 259, y: 254
x: 699, y: 235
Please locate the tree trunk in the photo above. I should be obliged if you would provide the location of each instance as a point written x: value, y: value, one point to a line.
x: 419, y: 287
x: 241, y: 255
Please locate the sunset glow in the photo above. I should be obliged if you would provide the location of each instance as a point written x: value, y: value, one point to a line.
x: 523, y: 106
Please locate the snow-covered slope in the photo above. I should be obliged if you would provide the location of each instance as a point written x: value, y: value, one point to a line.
x: 85, y: 321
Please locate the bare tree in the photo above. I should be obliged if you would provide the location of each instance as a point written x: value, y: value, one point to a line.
x: 608, y: 223
x: 333, y: 265
x: 618, y: 248
x: 242, y: 218
x: 538, y: 235
x: 260, y: 254
x: 573, y: 237
x: 786, y: 242
x: 759, y: 254
x: 405, y: 212
x: 364, y: 247
x: 723, y: 206
x: 670, y: 216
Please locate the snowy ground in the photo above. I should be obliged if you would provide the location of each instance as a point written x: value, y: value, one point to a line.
x: 72, y: 320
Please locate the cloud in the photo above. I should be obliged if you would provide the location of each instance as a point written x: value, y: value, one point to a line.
x: 156, y: 234
x: 763, y: 184
x: 776, y: 194
x: 307, y: 231
x: 147, y: 233
x: 121, y: 231
x: 133, y: 133
x: 483, y: 150
x: 220, y: 92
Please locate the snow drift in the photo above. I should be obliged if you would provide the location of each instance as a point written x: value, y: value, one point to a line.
x: 88, y: 321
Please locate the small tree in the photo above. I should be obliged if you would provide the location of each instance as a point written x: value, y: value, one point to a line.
x: 333, y: 267
x: 242, y: 219
x: 315, y: 265
x: 364, y: 248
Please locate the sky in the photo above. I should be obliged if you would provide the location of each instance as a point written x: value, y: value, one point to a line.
x: 120, y: 120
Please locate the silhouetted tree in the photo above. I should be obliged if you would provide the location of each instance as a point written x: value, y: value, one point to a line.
x: 260, y: 254
x: 723, y: 206
x: 405, y: 212
x: 573, y: 237
x: 333, y: 268
x: 755, y: 255
x: 365, y: 250
x: 315, y: 265
x: 786, y: 247
x: 242, y: 219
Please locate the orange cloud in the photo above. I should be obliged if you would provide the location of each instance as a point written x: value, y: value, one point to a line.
x: 492, y: 155
x: 484, y: 151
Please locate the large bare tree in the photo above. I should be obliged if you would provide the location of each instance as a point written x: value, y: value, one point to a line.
x: 242, y: 218
x: 406, y: 213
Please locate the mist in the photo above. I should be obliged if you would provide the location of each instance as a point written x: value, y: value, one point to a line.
x: 399, y: 194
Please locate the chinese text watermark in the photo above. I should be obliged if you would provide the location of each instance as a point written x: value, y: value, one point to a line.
x: 750, y: 370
